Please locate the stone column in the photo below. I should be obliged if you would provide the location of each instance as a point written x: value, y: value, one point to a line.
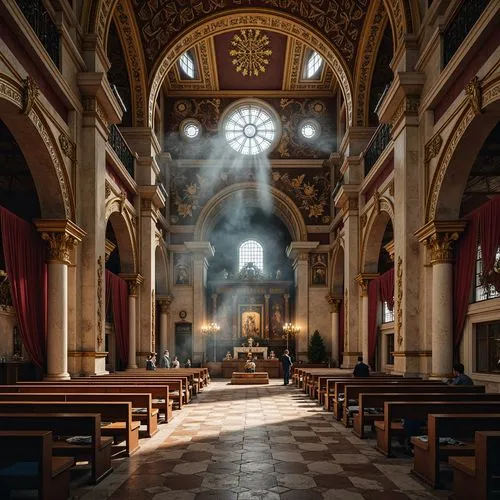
x: 439, y: 236
x: 235, y: 316
x: 61, y: 236
x: 363, y: 282
x: 164, y: 310
x: 201, y: 251
x: 335, y: 318
x: 134, y: 281
x: 266, y: 315
x: 299, y: 252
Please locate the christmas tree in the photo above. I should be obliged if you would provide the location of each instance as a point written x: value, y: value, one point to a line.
x: 316, y: 351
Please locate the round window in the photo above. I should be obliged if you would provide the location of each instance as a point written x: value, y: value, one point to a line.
x: 309, y: 129
x: 190, y: 129
x: 250, y: 128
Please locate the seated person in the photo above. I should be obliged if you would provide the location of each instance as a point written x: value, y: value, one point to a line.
x: 250, y: 366
x: 459, y: 377
x: 361, y: 369
x: 188, y: 363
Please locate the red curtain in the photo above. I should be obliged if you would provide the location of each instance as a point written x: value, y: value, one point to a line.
x: 24, y: 253
x: 341, y: 331
x: 489, y: 233
x: 387, y: 288
x: 373, y: 306
x: 117, y: 290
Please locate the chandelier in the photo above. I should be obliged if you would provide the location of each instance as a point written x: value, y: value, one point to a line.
x: 210, y: 329
x: 290, y: 329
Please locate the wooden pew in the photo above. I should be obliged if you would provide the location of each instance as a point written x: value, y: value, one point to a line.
x: 339, y: 400
x: 377, y: 400
x: 159, y: 392
x: 459, y: 426
x: 178, y: 386
x: 478, y: 477
x: 26, y: 462
x: 352, y: 392
x: 68, y: 424
x: 397, y: 410
x: 118, y: 414
x: 138, y: 401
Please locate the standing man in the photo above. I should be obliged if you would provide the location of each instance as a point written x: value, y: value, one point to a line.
x: 286, y: 363
x: 361, y: 369
x: 165, y: 360
x: 151, y: 362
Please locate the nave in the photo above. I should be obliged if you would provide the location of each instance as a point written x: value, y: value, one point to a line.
x: 266, y: 442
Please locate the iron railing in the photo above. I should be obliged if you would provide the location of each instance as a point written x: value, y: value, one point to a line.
x: 121, y: 149
x: 379, y: 142
x: 39, y: 19
x: 460, y: 26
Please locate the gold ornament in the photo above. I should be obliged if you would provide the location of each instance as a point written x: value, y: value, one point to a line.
x: 250, y: 52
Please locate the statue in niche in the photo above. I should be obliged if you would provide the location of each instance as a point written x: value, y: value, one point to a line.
x: 278, y: 274
x: 276, y: 320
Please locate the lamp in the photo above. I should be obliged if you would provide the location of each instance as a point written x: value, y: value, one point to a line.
x: 290, y: 329
x: 210, y: 330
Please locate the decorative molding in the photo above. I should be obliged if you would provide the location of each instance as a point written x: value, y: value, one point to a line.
x: 92, y: 107
x: 439, y: 236
x: 134, y: 281
x: 407, y: 107
x: 68, y: 147
x: 109, y: 247
x: 363, y: 280
x: 474, y: 93
x: 399, y: 301
x: 432, y: 148
x: 29, y: 95
x: 391, y: 188
x: 100, y: 271
x: 165, y: 302
x: 107, y: 190
x: 363, y: 220
x: 242, y: 20
x: 389, y: 248
x: 62, y: 236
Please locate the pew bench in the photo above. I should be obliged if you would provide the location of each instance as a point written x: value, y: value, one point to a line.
x: 97, y: 452
x: 27, y: 462
x: 478, y: 476
x: 459, y: 426
x: 376, y: 401
x: 142, y: 408
x: 159, y: 392
x: 394, y: 411
x: 116, y: 417
x: 245, y: 378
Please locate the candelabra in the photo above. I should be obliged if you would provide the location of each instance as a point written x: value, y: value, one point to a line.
x: 211, y: 330
x: 290, y: 330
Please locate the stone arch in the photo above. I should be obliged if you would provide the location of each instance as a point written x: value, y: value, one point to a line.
x: 459, y: 152
x: 136, y: 66
x: 248, y: 194
x: 161, y: 269
x: 404, y: 16
x: 125, y: 235
x: 244, y: 18
x: 337, y: 272
x: 374, y: 234
x: 20, y: 113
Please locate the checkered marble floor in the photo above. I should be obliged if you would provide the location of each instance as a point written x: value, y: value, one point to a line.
x: 257, y: 442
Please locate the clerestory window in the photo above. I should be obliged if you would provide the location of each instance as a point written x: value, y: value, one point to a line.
x: 251, y: 251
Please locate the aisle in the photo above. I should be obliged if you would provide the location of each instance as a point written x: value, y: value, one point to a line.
x: 250, y: 442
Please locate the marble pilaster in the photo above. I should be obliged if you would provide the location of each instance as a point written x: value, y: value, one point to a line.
x: 61, y: 236
x: 134, y: 281
x: 164, y: 311
x: 335, y: 304
x: 299, y: 252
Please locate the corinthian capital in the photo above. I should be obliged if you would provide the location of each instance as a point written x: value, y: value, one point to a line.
x: 438, y: 237
x: 62, y: 236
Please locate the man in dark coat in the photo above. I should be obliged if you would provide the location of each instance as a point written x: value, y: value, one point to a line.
x: 286, y: 363
x: 361, y: 369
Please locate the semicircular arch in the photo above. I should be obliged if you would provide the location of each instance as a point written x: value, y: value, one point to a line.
x: 161, y: 268
x: 337, y: 271
x: 249, y: 194
x: 250, y: 18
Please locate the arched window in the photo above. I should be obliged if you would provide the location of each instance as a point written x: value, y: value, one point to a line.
x: 252, y: 251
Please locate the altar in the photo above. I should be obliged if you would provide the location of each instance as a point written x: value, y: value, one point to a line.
x: 271, y: 366
x: 245, y: 350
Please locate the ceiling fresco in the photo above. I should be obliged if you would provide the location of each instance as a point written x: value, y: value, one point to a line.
x: 160, y: 21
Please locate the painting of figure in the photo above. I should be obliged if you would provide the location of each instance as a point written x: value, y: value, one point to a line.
x: 251, y: 321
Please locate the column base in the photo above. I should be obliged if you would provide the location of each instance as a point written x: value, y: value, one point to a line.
x: 131, y: 367
x: 56, y: 377
x: 350, y: 359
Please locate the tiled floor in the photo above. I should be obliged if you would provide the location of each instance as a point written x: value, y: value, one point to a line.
x: 251, y: 442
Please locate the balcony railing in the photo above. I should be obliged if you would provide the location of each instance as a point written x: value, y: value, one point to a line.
x: 461, y: 24
x: 121, y: 149
x: 379, y: 142
x: 46, y: 31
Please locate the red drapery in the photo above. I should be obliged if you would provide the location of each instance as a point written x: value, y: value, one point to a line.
x: 387, y: 288
x: 341, y: 331
x: 381, y: 288
x: 24, y: 253
x: 117, y: 290
x: 373, y: 301
x: 483, y: 227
